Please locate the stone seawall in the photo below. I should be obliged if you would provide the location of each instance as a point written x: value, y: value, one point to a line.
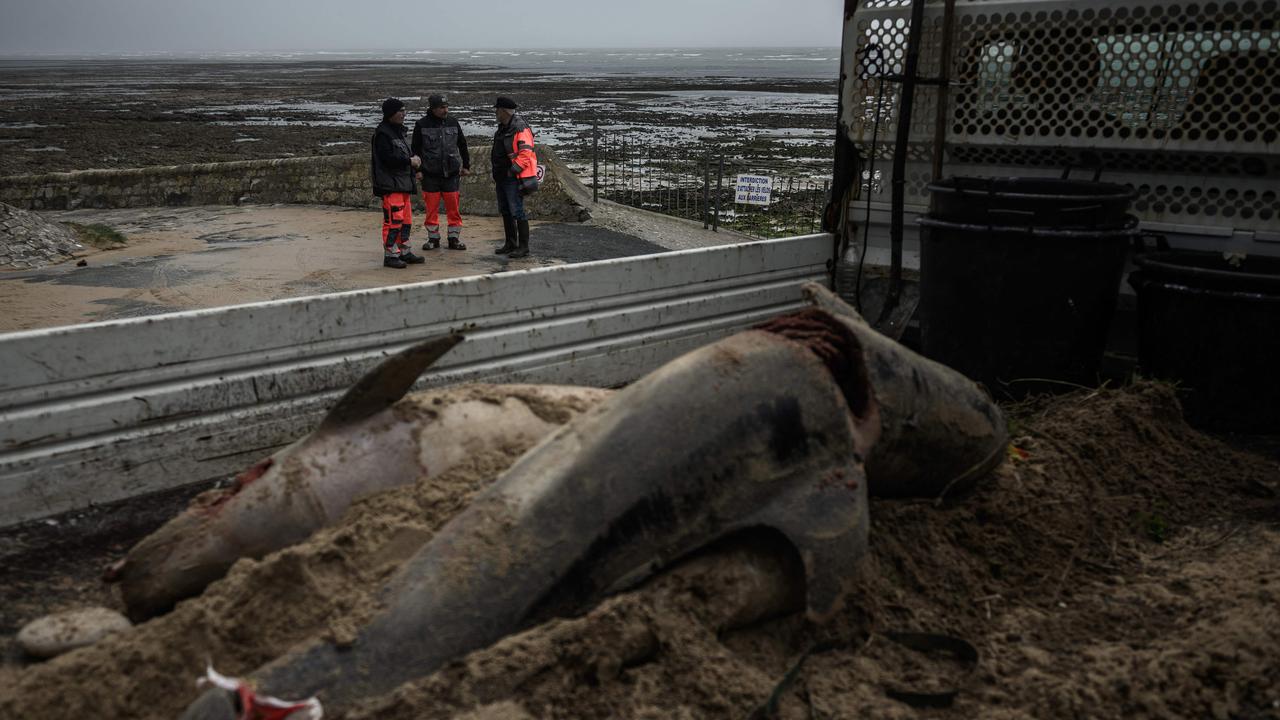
x: 331, y: 180
x: 327, y: 180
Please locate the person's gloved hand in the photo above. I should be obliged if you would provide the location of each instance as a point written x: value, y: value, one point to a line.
x: 252, y: 705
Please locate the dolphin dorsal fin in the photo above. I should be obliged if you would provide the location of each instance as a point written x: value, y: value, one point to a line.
x: 382, y: 386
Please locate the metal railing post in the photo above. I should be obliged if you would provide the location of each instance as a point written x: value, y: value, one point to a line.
x: 595, y: 162
x: 666, y: 195
x: 706, y: 191
x: 640, y: 153
x: 715, y: 219
x: 646, y: 159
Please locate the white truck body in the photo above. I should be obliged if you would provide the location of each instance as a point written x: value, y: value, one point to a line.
x: 106, y: 411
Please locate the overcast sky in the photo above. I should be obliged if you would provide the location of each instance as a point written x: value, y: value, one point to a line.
x: 94, y: 26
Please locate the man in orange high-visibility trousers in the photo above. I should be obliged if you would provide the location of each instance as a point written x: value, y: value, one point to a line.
x: 391, y: 171
x: 513, y: 163
x: 438, y: 140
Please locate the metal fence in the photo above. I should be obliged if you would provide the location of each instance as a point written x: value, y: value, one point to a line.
x: 699, y: 182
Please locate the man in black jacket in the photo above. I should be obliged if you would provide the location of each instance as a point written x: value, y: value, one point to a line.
x: 391, y: 170
x: 514, y: 164
x: 438, y: 140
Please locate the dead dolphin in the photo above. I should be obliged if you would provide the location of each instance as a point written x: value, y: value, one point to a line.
x: 754, y: 431
x: 940, y: 431
x: 370, y: 441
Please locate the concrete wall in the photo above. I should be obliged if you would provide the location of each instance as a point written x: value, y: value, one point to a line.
x: 328, y: 180
x: 332, y: 180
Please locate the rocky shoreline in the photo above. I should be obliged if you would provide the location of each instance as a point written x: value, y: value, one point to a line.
x: 76, y: 115
x: 29, y: 241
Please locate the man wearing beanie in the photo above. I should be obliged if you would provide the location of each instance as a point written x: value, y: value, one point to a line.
x: 513, y: 162
x: 391, y: 170
x: 438, y: 140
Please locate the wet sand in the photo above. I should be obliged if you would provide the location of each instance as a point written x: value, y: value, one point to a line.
x: 73, y: 115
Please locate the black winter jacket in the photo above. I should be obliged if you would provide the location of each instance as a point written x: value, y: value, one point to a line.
x: 390, y: 168
x: 441, y: 145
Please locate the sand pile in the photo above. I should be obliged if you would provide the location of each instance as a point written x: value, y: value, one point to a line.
x: 1119, y: 564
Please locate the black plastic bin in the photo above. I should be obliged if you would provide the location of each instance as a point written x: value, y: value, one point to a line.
x: 1044, y: 202
x: 1213, y: 325
x: 1019, y: 279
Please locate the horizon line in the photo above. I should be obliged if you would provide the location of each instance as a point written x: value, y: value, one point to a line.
x: 424, y: 51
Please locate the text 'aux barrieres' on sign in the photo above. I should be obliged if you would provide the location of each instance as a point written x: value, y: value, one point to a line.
x: 752, y: 189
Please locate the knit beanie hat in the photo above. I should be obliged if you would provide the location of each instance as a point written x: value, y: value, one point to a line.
x: 506, y: 102
x: 391, y: 106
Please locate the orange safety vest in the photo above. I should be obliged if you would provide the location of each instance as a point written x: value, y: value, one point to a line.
x: 521, y: 154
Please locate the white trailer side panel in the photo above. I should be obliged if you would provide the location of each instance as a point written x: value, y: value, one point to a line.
x: 106, y: 411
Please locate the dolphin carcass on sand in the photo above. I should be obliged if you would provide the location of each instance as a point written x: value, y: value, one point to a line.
x: 765, y: 429
x: 939, y: 432
x: 370, y: 441
x: 756, y: 430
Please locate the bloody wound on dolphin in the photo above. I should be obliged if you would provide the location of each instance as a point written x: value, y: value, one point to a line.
x: 836, y: 345
x: 939, y: 431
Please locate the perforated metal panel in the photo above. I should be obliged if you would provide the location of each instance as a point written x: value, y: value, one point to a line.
x: 1180, y: 100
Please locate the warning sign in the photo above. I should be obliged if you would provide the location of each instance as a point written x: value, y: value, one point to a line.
x: 753, y: 189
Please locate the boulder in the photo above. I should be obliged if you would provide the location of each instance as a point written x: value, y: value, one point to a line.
x: 55, y: 634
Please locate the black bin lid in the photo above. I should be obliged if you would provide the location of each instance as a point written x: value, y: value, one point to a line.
x: 1031, y: 201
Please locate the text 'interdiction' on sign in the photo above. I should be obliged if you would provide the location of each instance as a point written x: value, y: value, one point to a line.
x: 753, y: 189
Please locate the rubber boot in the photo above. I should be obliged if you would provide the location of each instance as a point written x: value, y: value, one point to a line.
x: 522, y: 228
x: 509, y: 228
x: 455, y: 239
